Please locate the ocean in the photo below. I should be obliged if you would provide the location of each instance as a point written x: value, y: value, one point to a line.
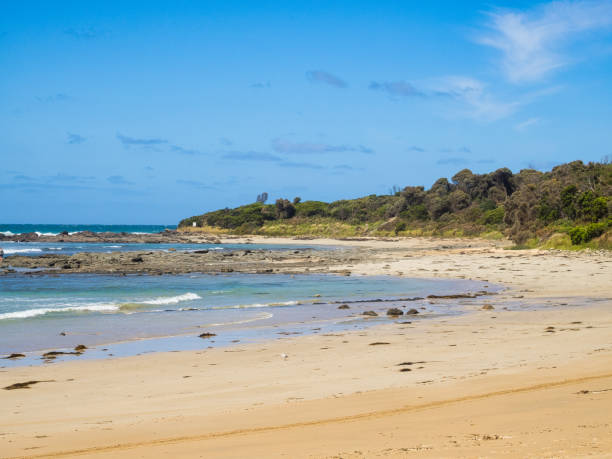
x: 46, y: 229
x: 70, y: 248
x: 62, y: 311
x: 126, y: 315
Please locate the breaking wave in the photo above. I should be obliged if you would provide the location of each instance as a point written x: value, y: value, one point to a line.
x: 12, y: 251
x: 42, y: 311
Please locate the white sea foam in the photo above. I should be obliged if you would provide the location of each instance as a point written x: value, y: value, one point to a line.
x: 113, y: 246
x: 173, y: 299
x: 265, y: 315
x: 42, y: 311
x: 11, y: 251
x: 257, y: 305
x: 7, y: 233
x: 46, y: 234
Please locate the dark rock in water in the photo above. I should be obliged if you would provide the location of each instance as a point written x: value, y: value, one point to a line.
x: 27, y: 237
x: 207, y: 335
x: 80, y: 347
x: 62, y: 333
x: 344, y: 306
x: 456, y: 296
x: 395, y: 312
x: 137, y: 259
x: 412, y: 311
x: 64, y: 233
x: 201, y: 251
x: 53, y: 354
x: 487, y: 307
x: 369, y: 313
x: 15, y: 356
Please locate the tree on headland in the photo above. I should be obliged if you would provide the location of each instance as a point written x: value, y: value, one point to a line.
x: 284, y: 209
x: 574, y: 199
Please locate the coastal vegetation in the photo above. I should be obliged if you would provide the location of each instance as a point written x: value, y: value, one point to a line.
x: 567, y: 207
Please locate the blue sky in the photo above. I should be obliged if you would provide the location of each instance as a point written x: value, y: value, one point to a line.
x: 153, y: 111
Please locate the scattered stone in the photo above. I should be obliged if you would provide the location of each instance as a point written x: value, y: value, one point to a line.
x: 378, y: 343
x: 395, y: 312
x: 412, y: 311
x: 452, y: 297
x: 369, y: 313
x: 487, y: 307
x: 137, y: 259
x: 62, y: 333
x: 15, y: 356
x: 23, y: 385
x: 80, y: 347
x: 53, y: 354
x: 207, y: 335
x: 344, y: 306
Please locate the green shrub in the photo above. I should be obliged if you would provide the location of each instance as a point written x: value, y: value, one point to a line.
x: 312, y: 209
x: 494, y: 217
x: 577, y: 235
x: 583, y: 234
x: 400, y: 226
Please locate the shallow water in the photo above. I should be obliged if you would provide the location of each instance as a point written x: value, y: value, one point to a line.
x: 53, y: 229
x: 36, y: 312
x: 70, y: 248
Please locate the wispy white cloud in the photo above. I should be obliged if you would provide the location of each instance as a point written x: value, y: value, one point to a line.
x: 527, y: 124
x: 473, y: 97
x: 532, y: 42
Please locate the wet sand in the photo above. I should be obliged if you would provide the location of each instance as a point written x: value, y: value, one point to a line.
x: 494, y: 382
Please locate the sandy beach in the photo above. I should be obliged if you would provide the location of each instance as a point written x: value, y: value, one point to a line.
x: 532, y: 382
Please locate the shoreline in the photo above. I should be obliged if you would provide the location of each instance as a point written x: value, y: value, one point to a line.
x: 284, y: 317
x: 472, y: 366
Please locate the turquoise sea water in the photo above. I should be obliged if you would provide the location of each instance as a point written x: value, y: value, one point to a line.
x: 61, y: 311
x: 70, y: 248
x: 7, y: 228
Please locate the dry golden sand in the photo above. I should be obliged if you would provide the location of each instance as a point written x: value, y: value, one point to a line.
x: 490, y: 383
